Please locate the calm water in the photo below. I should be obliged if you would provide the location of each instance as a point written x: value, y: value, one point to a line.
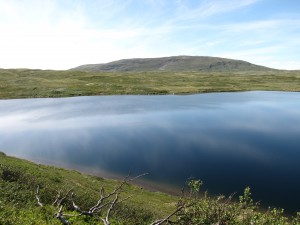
x: 229, y: 140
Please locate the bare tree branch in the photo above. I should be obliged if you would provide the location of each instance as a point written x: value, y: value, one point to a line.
x: 97, y: 206
x: 179, y: 206
x: 109, y: 210
x: 37, y: 197
x: 159, y: 222
x: 115, y: 191
x: 78, y: 209
x: 59, y: 198
x: 59, y: 215
x: 103, y: 202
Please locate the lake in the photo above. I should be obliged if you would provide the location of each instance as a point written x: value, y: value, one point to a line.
x: 228, y: 140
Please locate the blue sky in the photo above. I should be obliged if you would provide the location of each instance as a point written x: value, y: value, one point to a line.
x: 60, y: 34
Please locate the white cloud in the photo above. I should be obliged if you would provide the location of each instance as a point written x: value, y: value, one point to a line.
x: 271, y: 43
x: 53, y: 34
x: 288, y: 64
x: 42, y: 35
x: 209, y: 8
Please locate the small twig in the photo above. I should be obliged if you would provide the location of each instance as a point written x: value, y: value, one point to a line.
x: 230, y: 198
x: 159, y: 222
x: 95, y: 207
x: 37, y: 197
x: 106, y: 220
x: 115, y: 191
x: 124, y: 199
x: 78, y: 209
x: 141, y: 175
x: 59, y: 215
x: 111, y: 207
x: 57, y: 198
x: 60, y: 201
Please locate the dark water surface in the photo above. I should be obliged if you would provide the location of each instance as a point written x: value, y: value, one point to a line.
x: 229, y: 140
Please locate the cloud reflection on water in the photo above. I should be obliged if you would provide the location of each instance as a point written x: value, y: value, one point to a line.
x: 229, y: 140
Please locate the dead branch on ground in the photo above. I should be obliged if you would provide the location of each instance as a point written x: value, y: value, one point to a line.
x: 105, y: 201
x: 38, y: 197
x: 60, y: 198
x: 59, y: 215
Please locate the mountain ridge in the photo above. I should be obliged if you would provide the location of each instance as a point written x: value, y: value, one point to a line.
x: 174, y: 63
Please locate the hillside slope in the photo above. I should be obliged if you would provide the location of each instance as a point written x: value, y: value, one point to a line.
x: 38, y: 194
x: 174, y: 63
x: 19, y: 180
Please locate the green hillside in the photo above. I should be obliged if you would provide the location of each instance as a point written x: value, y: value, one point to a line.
x: 19, y: 180
x: 26, y: 83
x: 39, y: 194
x: 175, y: 64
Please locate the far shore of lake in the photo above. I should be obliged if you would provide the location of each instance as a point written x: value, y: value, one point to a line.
x: 26, y: 83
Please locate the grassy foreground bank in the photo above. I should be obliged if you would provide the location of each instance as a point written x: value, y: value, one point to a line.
x: 20, y: 199
x: 19, y: 180
x: 25, y: 83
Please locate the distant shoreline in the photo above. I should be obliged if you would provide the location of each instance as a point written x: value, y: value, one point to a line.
x: 19, y: 84
x: 179, y: 94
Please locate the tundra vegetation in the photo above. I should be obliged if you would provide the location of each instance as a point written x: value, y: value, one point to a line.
x: 39, y: 194
x: 26, y: 83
